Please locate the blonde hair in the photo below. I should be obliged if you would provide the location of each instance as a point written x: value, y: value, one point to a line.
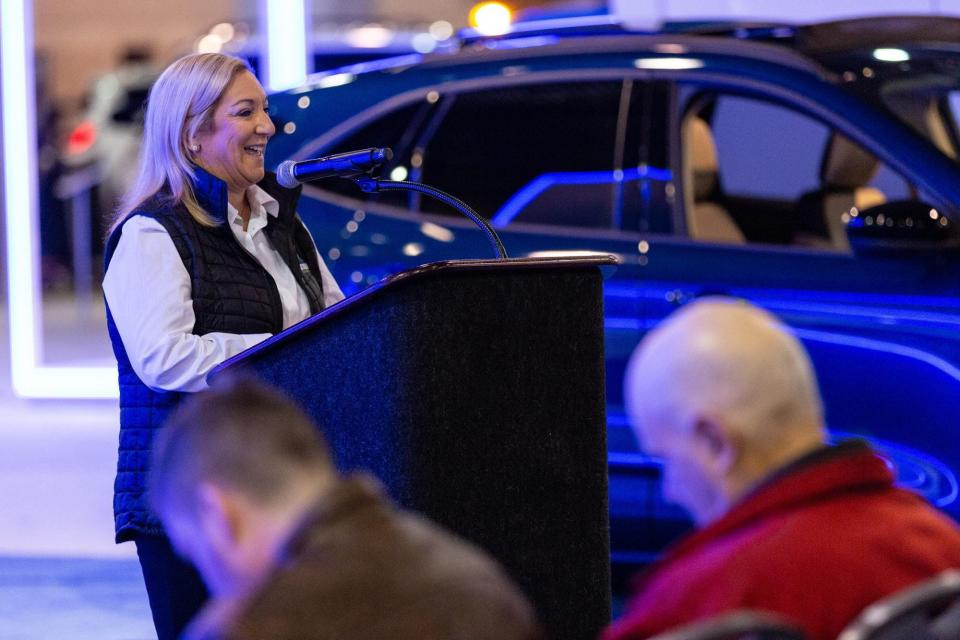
x: 181, y: 102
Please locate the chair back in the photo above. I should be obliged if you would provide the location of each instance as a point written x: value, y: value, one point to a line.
x: 736, y: 625
x: 927, y: 611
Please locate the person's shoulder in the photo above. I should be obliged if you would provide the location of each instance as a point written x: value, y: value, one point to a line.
x: 456, y: 568
x: 448, y: 584
x: 138, y: 223
x: 158, y: 205
x: 452, y: 552
x: 154, y: 207
x: 130, y: 228
x: 849, y: 530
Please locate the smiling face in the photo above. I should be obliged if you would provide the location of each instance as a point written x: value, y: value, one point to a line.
x: 233, y: 142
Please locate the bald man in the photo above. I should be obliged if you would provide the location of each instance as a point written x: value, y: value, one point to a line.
x: 727, y: 397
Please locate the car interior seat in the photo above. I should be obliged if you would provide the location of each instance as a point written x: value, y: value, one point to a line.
x: 707, y: 219
x: 845, y: 171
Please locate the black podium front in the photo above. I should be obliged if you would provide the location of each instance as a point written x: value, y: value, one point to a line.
x: 475, y: 391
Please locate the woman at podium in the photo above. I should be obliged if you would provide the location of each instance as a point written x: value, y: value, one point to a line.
x: 206, y: 257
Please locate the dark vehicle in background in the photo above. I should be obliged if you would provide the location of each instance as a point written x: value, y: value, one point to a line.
x: 810, y: 170
x: 804, y: 169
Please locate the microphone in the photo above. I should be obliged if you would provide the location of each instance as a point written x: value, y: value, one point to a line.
x: 344, y: 165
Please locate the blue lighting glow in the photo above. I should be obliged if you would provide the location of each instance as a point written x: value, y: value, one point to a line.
x: 914, y: 470
x: 20, y: 186
x: 286, y: 43
x: 532, y: 190
x: 870, y: 344
x: 882, y: 346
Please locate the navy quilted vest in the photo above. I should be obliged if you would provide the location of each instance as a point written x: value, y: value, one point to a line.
x: 231, y: 293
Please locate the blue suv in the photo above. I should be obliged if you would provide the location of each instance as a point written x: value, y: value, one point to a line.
x: 810, y: 170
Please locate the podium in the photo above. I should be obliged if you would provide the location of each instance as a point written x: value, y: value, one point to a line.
x: 474, y: 390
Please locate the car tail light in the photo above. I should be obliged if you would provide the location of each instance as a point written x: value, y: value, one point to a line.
x: 81, y: 138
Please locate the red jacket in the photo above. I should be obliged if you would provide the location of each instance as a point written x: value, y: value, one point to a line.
x: 816, y: 545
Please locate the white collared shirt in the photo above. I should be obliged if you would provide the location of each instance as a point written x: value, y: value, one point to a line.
x: 148, y: 290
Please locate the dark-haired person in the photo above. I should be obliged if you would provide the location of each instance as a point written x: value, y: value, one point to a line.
x: 206, y: 257
x: 292, y: 551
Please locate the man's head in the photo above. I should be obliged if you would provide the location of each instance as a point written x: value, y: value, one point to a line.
x: 233, y: 470
x: 725, y: 395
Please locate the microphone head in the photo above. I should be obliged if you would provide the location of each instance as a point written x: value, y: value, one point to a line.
x: 285, y: 176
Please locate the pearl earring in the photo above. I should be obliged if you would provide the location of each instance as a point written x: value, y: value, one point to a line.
x: 194, y: 148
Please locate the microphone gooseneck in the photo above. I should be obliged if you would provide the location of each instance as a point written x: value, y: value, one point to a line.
x: 359, y: 165
x: 372, y: 185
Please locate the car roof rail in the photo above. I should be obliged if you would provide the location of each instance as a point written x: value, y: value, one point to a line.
x: 606, y: 24
x: 734, y: 29
x: 825, y: 35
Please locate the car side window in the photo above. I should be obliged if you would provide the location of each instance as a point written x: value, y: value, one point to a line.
x: 758, y: 171
x: 760, y: 152
x: 535, y: 154
x: 396, y: 130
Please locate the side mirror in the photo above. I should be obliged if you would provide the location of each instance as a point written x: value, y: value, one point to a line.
x: 900, y: 226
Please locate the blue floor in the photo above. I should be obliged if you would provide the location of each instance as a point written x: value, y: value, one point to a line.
x: 75, y: 599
